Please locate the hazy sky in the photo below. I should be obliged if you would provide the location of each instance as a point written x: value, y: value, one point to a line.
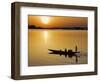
x: 57, y: 21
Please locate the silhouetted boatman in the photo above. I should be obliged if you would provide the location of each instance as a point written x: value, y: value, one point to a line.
x: 76, y: 54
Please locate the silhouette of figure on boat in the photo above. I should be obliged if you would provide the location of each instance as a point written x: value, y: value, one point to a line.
x: 67, y: 53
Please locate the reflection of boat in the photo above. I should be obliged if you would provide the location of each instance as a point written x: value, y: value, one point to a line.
x: 67, y: 53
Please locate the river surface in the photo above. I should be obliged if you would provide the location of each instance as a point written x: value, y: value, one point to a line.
x: 39, y: 41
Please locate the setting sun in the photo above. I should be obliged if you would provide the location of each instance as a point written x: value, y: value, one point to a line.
x: 45, y: 19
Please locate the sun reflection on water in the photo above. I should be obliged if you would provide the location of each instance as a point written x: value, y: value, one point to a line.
x: 45, y: 36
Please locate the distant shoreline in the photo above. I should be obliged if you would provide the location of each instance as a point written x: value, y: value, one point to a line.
x: 57, y: 28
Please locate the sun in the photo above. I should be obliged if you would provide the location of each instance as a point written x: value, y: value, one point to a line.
x: 45, y: 19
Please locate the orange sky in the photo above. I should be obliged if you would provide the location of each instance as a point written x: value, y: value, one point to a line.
x: 58, y: 21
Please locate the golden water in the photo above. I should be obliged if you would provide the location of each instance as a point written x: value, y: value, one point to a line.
x: 39, y: 41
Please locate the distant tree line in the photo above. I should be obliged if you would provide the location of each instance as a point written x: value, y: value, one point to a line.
x: 66, y: 28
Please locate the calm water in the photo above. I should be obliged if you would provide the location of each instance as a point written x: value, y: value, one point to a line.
x: 39, y: 41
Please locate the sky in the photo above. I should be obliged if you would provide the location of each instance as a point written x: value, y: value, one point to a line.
x: 57, y: 21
